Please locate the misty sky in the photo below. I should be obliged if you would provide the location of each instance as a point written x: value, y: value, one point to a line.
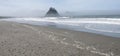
x: 39, y: 7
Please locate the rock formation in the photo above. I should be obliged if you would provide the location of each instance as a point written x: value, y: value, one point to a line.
x: 52, y: 12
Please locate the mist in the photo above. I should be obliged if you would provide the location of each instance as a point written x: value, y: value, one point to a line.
x: 37, y: 8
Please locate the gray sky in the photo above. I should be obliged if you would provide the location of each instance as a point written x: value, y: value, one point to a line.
x: 39, y: 7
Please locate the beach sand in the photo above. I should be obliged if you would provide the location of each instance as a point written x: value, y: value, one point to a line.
x: 29, y: 40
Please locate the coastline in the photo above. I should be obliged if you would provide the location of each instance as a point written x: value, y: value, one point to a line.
x: 30, y: 40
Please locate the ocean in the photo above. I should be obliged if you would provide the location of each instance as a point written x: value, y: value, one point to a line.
x: 109, y: 25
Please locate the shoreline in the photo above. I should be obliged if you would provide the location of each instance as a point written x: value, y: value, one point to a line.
x: 95, y: 27
x: 24, y: 39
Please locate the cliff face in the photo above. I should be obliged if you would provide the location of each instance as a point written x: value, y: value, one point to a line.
x: 52, y: 12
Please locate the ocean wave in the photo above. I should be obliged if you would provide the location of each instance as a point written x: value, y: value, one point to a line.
x: 111, y: 25
x: 74, y: 20
x: 104, y: 28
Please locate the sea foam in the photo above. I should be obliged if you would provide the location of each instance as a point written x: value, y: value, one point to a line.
x: 106, y: 25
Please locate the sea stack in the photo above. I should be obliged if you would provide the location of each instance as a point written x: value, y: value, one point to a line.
x: 52, y: 12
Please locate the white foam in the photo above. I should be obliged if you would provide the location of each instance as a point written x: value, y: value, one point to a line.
x: 77, y: 22
x: 74, y: 21
x: 100, y: 29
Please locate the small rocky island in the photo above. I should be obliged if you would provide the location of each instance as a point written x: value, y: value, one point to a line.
x: 52, y: 12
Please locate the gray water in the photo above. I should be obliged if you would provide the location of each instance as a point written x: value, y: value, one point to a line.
x: 103, y: 26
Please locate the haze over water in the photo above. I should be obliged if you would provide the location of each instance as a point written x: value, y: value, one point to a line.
x: 37, y: 8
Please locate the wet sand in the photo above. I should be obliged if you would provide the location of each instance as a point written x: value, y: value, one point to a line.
x: 29, y: 40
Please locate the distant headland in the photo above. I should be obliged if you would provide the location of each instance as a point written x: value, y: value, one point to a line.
x: 52, y: 12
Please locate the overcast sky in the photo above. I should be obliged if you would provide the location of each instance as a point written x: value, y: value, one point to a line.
x: 39, y: 7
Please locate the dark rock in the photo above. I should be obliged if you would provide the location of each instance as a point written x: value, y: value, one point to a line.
x: 52, y: 13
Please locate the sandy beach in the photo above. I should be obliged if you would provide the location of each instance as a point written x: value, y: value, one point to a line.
x: 29, y: 40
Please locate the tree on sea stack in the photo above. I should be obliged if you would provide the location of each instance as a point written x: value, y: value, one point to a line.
x: 52, y: 12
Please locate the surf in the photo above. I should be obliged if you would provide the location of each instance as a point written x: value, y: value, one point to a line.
x: 95, y: 25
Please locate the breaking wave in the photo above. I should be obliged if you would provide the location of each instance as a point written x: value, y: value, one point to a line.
x: 107, y: 25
